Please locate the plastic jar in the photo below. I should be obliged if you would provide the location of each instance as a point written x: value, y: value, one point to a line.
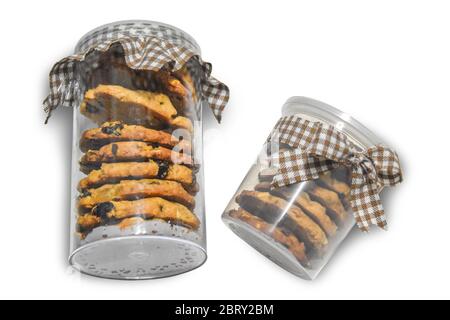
x: 298, y: 227
x: 137, y: 207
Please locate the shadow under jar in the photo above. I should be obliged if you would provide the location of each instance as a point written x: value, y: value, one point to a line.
x: 299, y: 227
x: 137, y: 180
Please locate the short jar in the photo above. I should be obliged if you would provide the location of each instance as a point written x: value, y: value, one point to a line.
x: 299, y: 227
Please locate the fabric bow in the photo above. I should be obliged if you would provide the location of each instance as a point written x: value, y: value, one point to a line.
x: 317, y: 148
x: 144, y: 49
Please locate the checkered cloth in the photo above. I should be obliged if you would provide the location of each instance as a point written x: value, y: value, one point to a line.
x: 317, y: 147
x: 147, y: 46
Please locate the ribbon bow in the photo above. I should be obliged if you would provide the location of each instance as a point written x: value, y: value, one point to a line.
x: 317, y: 148
x: 144, y: 49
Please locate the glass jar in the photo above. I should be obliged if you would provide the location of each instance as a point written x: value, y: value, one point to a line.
x: 299, y: 227
x: 137, y: 180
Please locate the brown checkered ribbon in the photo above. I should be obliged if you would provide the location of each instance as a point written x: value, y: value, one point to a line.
x: 318, y: 147
x: 147, y: 46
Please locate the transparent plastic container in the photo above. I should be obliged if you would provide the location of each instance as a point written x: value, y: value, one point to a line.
x: 298, y: 227
x: 137, y: 207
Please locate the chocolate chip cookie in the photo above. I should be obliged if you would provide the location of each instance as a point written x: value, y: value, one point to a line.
x: 276, y: 210
x: 110, y: 213
x: 313, y: 209
x: 330, y: 200
x: 115, y: 103
x: 285, y: 238
x: 116, y: 131
x: 116, y: 172
x: 133, y: 151
x: 327, y: 181
x: 135, y: 189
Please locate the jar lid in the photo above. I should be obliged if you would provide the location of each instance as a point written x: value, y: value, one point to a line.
x: 137, y: 27
x: 315, y: 110
x: 147, y: 45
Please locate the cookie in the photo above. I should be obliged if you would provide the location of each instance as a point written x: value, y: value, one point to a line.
x: 276, y: 210
x: 266, y: 175
x: 178, y: 93
x: 186, y: 79
x: 116, y: 131
x: 314, y: 210
x: 148, y: 208
x: 317, y: 212
x: 114, y: 71
x: 111, y: 68
x: 115, y: 172
x: 281, y: 236
x: 135, y: 189
x: 130, y: 222
x: 133, y: 151
x: 330, y: 200
x: 115, y: 103
x: 327, y: 181
x: 87, y: 222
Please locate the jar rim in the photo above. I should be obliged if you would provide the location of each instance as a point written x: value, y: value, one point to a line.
x: 321, y: 111
x: 125, y: 22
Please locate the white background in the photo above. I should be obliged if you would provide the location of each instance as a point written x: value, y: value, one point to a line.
x: 387, y: 63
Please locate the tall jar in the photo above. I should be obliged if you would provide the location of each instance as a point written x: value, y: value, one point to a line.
x: 299, y: 227
x: 137, y: 177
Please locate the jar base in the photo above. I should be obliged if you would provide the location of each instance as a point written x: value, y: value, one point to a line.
x: 138, y: 257
x: 268, y: 248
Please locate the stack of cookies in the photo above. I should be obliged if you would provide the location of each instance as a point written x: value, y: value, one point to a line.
x: 304, y: 218
x: 138, y: 162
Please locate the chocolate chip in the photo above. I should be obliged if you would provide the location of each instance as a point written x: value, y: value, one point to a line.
x: 91, y: 108
x: 153, y: 145
x: 101, y: 210
x: 107, y: 130
x: 114, y: 149
x: 163, y: 170
x: 113, y: 129
x: 85, y: 193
